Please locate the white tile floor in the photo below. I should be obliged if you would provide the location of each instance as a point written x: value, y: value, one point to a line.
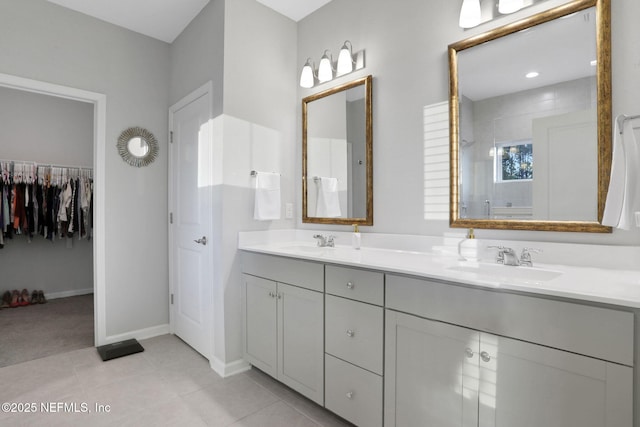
x: 168, y: 384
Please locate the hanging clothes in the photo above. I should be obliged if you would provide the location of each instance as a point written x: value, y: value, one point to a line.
x: 48, y: 201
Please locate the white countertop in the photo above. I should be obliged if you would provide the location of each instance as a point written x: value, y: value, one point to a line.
x: 602, y: 285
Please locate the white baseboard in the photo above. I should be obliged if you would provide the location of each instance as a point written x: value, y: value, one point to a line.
x: 140, y: 334
x: 228, y: 369
x: 65, y: 294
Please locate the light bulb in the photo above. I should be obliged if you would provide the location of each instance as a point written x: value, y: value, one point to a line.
x: 306, y: 77
x: 345, y: 59
x: 470, y: 14
x: 510, y: 6
x: 325, y: 71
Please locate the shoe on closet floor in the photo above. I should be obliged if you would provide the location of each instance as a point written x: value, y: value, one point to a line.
x: 6, y: 300
x: 24, y: 297
x: 41, y: 298
x: 15, y: 299
x: 34, y: 297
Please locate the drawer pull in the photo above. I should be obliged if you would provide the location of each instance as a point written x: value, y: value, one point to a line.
x: 349, y: 395
x: 469, y: 353
x: 350, y: 333
x: 485, y: 356
x: 349, y: 285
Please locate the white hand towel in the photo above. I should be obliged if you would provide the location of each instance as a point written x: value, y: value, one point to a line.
x: 267, y: 203
x: 623, y: 197
x: 328, y: 202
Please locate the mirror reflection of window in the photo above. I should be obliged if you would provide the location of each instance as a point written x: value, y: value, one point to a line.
x: 513, y: 161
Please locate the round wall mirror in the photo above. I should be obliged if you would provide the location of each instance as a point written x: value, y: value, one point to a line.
x: 137, y: 146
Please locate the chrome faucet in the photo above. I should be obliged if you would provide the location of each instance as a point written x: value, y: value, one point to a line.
x: 525, y: 256
x: 325, y: 241
x: 506, y: 256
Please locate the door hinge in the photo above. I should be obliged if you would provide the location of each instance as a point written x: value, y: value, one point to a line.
x: 171, y: 137
x: 171, y: 299
x: 170, y: 217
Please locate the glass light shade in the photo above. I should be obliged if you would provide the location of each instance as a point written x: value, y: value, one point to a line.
x: 470, y: 14
x: 306, y: 77
x: 510, y: 6
x: 345, y: 60
x: 325, y: 71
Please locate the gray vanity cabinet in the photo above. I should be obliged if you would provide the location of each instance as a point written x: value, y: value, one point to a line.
x: 284, y: 331
x: 354, y: 337
x: 549, y: 373
x: 388, y: 349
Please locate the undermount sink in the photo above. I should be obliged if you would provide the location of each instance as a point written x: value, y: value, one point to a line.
x: 307, y: 248
x: 505, y: 273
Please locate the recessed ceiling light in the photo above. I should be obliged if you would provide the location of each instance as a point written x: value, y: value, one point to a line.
x: 532, y: 74
x: 594, y: 63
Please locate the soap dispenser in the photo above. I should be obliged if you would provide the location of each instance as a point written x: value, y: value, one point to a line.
x: 355, y: 238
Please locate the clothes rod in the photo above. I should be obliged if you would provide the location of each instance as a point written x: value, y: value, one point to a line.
x: 45, y: 165
x: 255, y: 173
x: 623, y: 118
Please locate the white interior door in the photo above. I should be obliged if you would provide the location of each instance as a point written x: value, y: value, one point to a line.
x: 190, y: 254
x: 565, y: 179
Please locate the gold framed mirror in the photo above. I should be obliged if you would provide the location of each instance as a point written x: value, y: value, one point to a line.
x: 337, y: 155
x: 527, y: 151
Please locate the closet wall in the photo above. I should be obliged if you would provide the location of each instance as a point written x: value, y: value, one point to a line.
x: 46, y: 130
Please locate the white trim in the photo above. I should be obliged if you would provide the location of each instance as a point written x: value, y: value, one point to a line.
x: 140, y: 334
x: 99, y: 101
x: 204, y: 90
x: 228, y: 369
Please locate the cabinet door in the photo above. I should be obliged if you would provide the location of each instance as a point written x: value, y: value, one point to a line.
x: 528, y: 385
x: 301, y: 340
x: 260, y: 340
x: 431, y: 373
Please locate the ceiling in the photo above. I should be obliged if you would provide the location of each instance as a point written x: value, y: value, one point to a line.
x: 561, y: 50
x: 165, y: 19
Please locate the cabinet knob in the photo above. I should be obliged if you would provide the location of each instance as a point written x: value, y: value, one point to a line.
x: 271, y: 294
x: 349, y: 285
x: 349, y: 395
x: 469, y: 353
x: 350, y: 333
x: 279, y: 295
x: 485, y: 356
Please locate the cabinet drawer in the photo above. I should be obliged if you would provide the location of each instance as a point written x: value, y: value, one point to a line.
x: 305, y: 274
x: 361, y: 285
x: 354, y: 331
x: 602, y: 333
x: 353, y: 393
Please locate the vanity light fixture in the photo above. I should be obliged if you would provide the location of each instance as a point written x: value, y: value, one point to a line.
x: 510, y: 6
x: 470, y: 14
x: 327, y: 70
x: 307, y: 77
x: 476, y: 12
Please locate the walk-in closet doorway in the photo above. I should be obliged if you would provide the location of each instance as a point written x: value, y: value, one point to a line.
x: 98, y: 164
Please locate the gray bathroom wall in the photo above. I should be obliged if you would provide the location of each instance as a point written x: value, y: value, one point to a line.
x: 405, y: 43
x: 45, y: 42
x: 248, y: 51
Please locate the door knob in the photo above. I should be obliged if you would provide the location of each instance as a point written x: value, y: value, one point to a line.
x: 202, y: 241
